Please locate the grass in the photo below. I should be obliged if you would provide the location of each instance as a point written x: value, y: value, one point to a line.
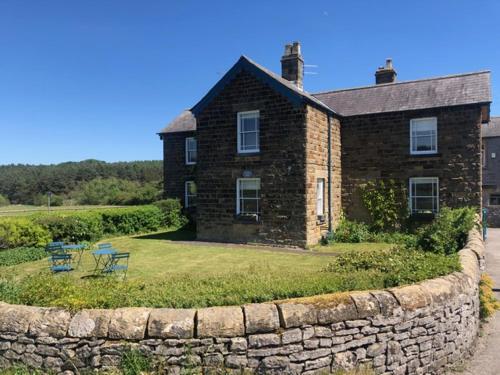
x: 167, y: 270
x: 342, y: 248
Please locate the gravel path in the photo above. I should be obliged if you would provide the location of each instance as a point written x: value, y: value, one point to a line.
x: 486, y: 360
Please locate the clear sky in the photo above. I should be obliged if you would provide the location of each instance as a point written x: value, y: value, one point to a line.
x: 97, y: 79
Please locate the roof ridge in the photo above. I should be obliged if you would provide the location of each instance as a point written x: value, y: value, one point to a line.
x: 404, y: 82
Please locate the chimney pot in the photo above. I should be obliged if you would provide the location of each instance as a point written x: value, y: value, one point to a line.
x: 292, y: 65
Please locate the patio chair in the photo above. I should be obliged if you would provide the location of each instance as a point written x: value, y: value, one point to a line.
x: 105, y: 245
x: 54, y: 248
x: 118, y: 262
x: 60, y: 263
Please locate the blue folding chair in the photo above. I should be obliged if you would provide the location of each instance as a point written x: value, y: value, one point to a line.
x: 105, y: 245
x: 54, y: 248
x: 60, y: 263
x: 118, y: 262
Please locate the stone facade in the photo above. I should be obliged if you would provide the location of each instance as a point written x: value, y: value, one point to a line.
x: 417, y: 329
x: 175, y: 170
x: 377, y: 147
x: 491, y: 178
x: 281, y: 166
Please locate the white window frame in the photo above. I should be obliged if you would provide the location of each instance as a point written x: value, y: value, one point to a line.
x: 320, y: 197
x: 423, y: 180
x: 187, y: 195
x: 238, y: 204
x: 240, y: 116
x: 413, y: 123
x: 188, y: 151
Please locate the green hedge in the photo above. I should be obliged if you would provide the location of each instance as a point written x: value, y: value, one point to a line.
x: 11, y: 257
x: 17, y: 232
x: 91, y: 226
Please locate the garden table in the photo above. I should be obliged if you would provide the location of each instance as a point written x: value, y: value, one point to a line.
x: 102, y: 257
x: 79, y: 248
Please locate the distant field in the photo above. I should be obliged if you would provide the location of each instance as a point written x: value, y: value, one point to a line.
x: 21, y: 210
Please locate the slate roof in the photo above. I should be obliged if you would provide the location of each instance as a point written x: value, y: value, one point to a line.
x: 436, y: 92
x: 460, y: 89
x: 492, y: 129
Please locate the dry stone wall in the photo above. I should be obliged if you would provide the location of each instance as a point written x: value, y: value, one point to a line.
x: 417, y: 329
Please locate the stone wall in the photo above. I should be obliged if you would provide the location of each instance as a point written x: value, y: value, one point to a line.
x: 417, y: 329
x: 378, y: 147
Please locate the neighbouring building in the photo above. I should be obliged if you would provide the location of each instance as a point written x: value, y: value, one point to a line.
x: 491, y: 170
x: 259, y: 159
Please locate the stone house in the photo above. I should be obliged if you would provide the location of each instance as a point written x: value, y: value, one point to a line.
x: 259, y: 159
x: 491, y: 170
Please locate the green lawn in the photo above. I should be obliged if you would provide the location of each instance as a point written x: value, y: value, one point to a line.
x: 342, y: 248
x: 167, y: 270
x: 22, y: 210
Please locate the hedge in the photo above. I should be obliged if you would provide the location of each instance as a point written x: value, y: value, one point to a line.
x: 38, y: 230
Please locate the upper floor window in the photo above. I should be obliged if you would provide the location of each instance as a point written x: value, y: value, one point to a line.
x: 248, y: 196
x: 423, y: 136
x: 190, y: 194
x: 191, y: 150
x: 248, y: 132
x: 320, y: 197
x: 424, y: 195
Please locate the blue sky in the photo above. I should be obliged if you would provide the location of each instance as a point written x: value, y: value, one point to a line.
x: 98, y: 78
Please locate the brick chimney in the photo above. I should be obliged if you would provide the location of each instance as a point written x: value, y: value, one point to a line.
x: 292, y: 65
x: 385, y: 74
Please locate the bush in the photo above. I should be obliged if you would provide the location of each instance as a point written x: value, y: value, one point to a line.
x: 73, y: 227
x: 398, y: 266
x: 17, y: 232
x: 386, y: 203
x: 132, y: 220
x: 488, y: 304
x: 134, y: 362
x: 172, y: 210
x: 408, y: 240
x: 42, y: 200
x: 3, y: 201
x: 448, y: 232
x: 19, y: 255
x: 349, y: 231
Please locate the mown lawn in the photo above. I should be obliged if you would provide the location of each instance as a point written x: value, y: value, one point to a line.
x: 342, y: 248
x: 23, y: 210
x: 166, y: 270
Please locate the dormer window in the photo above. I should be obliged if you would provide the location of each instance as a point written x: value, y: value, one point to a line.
x: 423, y: 136
x: 248, y: 132
x: 191, y: 150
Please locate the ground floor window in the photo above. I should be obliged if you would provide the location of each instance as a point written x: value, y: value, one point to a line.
x: 495, y: 200
x: 248, y: 196
x: 320, y: 197
x: 190, y: 194
x: 424, y: 195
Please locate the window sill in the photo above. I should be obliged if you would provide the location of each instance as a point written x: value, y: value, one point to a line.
x: 424, y: 156
x: 244, y: 219
x: 320, y: 220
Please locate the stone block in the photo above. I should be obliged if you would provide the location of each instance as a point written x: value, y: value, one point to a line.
x: 366, y: 304
x: 297, y: 315
x: 128, y: 323
x: 17, y: 318
x: 220, y: 322
x: 340, y: 308
x: 50, y: 322
x: 263, y: 340
x: 90, y: 323
x: 261, y: 318
x: 387, y: 303
x: 291, y: 336
x: 171, y: 323
x: 411, y: 297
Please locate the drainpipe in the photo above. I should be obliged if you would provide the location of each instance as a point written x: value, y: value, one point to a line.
x: 329, y: 174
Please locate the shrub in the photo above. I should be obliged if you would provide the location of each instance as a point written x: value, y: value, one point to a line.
x: 19, y: 255
x: 408, y: 240
x: 350, y: 231
x: 172, y: 210
x: 132, y: 220
x: 448, y: 232
x: 42, y: 200
x: 488, y: 304
x: 3, y: 201
x: 134, y: 362
x: 73, y: 227
x: 17, y: 232
x: 386, y: 203
x: 398, y: 266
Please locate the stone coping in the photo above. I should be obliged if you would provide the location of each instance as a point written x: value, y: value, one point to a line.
x: 138, y: 323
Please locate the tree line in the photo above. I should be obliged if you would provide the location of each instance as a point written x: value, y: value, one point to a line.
x: 84, y: 182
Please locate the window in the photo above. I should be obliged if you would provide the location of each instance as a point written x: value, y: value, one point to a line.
x: 483, y: 155
x: 190, y: 150
x: 495, y: 200
x: 320, y: 197
x: 248, y: 196
x: 190, y: 194
x: 423, y: 136
x: 248, y: 132
x: 424, y: 195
